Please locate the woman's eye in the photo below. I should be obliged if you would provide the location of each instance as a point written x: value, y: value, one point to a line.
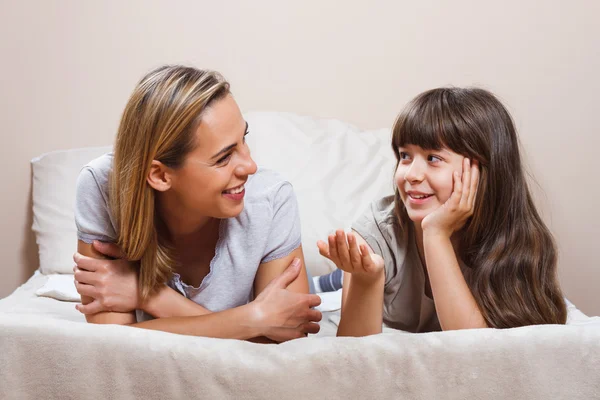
x: 433, y: 158
x: 224, y: 160
x: 404, y: 155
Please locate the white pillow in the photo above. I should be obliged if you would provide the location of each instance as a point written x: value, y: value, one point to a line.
x: 336, y: 169
x: 54, y: 178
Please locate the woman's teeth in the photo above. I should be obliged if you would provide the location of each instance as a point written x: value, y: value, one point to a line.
x: 420, y: 196
x: 235, y: 191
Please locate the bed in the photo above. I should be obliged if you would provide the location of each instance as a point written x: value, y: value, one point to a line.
x: 48, y: 351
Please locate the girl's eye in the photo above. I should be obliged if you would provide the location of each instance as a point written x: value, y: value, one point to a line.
x: 404, y: 155
x: 434, y: 159
x: 245, y: 134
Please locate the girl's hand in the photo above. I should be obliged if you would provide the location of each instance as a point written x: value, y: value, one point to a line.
x: 284, y: 315
x: 360, y: 261
x: 453, y: 214
x: 113, y: 284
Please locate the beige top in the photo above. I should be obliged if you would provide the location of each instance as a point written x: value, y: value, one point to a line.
x: 405, y: 304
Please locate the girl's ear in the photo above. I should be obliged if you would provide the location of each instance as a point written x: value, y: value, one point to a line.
x: 159, y: 177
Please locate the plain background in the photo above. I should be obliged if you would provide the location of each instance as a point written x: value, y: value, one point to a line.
x: 69, y: 66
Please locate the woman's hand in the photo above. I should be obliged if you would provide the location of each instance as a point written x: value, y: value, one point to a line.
x: 284, y: 315
x: 360, y: 261
x: 453, y: 214
x: 113, y: 284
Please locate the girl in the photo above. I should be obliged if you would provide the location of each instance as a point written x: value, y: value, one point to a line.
x: 460, y: 245
x: 183, y: 199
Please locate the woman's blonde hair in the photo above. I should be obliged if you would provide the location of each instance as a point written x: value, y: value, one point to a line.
x: 158, y: 123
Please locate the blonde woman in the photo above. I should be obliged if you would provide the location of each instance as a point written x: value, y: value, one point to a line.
x: 179, y: 224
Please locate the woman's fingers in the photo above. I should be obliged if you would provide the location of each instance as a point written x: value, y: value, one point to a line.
x: 85, y: 277
x: 86, y: 290
x: 314, y: 315
x: 86, y: 263
x: 310, y: 327
x: 108, y: 249
x: 91, y: 308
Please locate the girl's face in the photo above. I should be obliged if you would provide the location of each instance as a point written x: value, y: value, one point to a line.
x: 424, y: 178
x: 211, y: 181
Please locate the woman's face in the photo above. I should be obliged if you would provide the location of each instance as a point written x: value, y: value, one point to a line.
x: 424, y: 179
x: 211, y: 180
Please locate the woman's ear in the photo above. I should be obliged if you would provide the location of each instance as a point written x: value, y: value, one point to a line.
x: 159, y: 177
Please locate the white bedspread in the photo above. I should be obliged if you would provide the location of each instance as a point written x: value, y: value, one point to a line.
x: 47, y: 351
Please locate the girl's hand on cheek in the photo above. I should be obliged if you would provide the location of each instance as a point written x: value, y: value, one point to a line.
x: 453, y: 214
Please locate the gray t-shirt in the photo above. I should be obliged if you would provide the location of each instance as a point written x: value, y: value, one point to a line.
x: 268, y: 228
x: 406, y: 306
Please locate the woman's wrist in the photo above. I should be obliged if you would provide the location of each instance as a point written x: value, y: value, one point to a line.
x: 255, y: 319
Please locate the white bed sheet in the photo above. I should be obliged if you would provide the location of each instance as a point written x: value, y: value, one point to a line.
x: 48, y: 351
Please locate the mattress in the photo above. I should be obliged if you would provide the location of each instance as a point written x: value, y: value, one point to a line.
x: 48, y: 351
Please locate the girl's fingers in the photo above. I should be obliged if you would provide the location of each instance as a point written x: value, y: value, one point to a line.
x: 367, y: 261
x: 474, y: 184
x: 457, y: 191
x: 342, y: 248
x: 465, y: 183
x: 355, y: 257
x: 323, y: 249
x: 333, y: 250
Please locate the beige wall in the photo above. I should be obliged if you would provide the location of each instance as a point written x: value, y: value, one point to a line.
x: 68, y: 66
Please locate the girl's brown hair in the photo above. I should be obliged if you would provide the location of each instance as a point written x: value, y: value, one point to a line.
x: 158, y: 123
x: 511, y: 252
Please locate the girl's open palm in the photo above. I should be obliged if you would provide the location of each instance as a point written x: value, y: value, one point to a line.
x: 349, y: 256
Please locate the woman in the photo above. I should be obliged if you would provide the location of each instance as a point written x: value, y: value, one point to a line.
x: 182, y: 198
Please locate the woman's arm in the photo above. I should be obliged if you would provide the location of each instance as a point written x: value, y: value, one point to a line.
x: 364, y: 278
x: 120, y: 318
x: 270, y: 270
x: 115, y: 288
x: 275, y: 312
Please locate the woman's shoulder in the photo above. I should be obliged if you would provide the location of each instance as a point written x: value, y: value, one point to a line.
x: 266, y: 184
x: 97, y: 171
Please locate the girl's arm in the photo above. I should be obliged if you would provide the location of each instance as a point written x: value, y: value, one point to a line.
x: 455, y: 305
x: 364, y: 278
